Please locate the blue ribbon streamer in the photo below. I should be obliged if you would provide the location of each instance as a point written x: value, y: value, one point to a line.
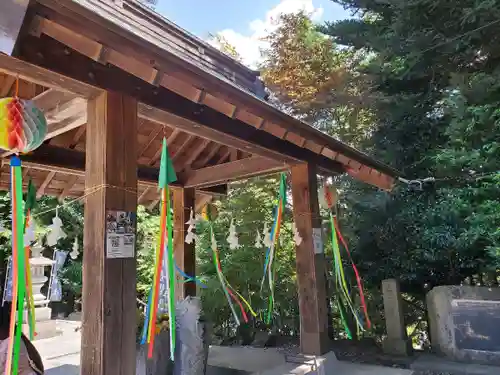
x: 146, y: 319
x: 189, y: 278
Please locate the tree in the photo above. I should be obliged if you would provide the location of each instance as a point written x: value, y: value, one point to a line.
x: 433, y: 69
x: 222, y: 44
x: 315, y: 80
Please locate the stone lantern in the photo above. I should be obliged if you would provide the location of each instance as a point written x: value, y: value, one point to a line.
x: 45, y: 326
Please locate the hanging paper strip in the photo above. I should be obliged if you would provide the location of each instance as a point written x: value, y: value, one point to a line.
x: 18, y: 269
x: 273, y: 237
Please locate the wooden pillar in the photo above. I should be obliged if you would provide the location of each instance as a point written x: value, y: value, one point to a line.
x: 185, y: 257
x: 109, y: 277
x: 310, y: 257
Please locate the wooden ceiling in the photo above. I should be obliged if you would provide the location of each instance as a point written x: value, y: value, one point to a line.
x: 66, y: 115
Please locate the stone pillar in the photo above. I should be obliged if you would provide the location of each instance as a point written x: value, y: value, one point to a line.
x: 397, y: 342
x: 44, y: 326
x: 191, y: 351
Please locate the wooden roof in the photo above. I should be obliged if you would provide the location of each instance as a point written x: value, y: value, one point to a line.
x: 210, y: 108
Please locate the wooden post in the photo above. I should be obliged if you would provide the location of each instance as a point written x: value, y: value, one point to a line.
x: 109, y: 284
x: 184, y: 201
x: 311, y: 272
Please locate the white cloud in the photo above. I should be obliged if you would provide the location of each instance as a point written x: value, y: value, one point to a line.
x: 249, y: 46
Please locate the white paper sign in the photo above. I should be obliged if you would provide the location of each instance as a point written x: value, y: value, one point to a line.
x: 120, y: 234
x: 318, y: 240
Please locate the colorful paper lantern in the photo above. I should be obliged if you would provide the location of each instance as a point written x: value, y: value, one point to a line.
x: 23, y: 126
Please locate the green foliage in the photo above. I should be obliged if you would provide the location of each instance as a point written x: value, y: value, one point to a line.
x: 250, y: 203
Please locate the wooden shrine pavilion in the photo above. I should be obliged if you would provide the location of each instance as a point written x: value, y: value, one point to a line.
x: 113, y: 78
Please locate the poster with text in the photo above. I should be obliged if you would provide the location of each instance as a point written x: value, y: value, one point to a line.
x: 120, y: 234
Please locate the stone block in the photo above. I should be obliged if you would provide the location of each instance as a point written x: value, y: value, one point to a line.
x: 44, y: 329
x: 397, y: 347
x: 465, y: 323
x: 397, y: 342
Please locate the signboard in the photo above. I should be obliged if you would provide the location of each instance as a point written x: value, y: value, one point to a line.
x: 120, y: 234
x: 318, y: 240
x: 476, y: 324
x: 11, y: 19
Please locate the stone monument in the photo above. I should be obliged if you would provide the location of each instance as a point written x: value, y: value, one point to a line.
x: 191, y: 351
x: 45, y: 326
x: 465, y: 323
x: 397, y: 342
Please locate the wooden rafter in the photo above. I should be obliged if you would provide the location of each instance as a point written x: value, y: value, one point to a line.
x: 45, y: 183
x: 179, y: 152
x: 151, y: 138
x: 64, y: 193
x: 231, y: 171
x: 188, y: 81
x: 171, y: 139
x: 77, y: 137
x: 195, y: 153
x: 34, y: 73
x: 142, y: 197
x: 153, y: 204
x: 70, y: 162
x: 233, y: 156
x: 224, y: 156
x: 7, y: 83
x: 215, y: 148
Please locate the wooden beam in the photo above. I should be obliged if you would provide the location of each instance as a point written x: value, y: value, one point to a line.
x: 151, y: 137
x: 153, y: 204
x: 71, y: 182
x: 36, y: 74
x: 143, y: 195
x: 225, y: 155
x: 7, y: 85
x: 223, y: 173
x: 70, y: 162
x: 201, y: 201
x: 171, y: 139
x: 183, y: 202
x: 109, y: 282
x: 310, y: 258
x: 181, y: 149
x: 167, y: 107
x: 77, y: 137
x: 173, y: 108
x: 45, y: 183
x: 195, y: 153
x: 214, y: 149
x: 189, y: 153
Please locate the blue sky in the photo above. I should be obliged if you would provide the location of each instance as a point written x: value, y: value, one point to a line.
x: 242, y: 22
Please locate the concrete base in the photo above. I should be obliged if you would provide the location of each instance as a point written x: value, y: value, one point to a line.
x: 44, y: 330
x: 430, y: 363
x: 397, y: 347
x: 329, y: 365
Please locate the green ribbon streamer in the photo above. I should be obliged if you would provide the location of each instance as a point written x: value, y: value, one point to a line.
x: 19, y: 220
x: 339, y: 283
x: 171, y: 274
